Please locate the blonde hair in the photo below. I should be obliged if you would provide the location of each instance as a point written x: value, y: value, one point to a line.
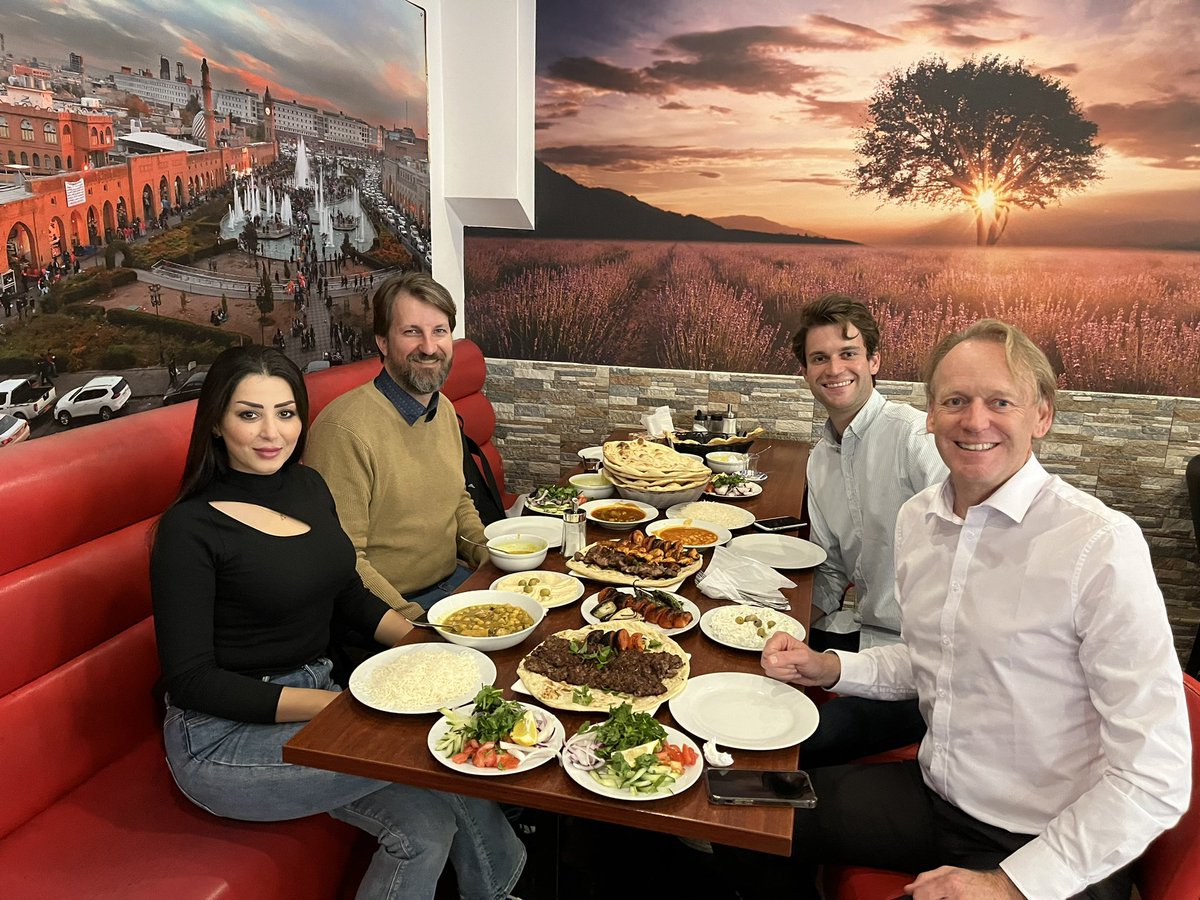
x: 1025, y: 359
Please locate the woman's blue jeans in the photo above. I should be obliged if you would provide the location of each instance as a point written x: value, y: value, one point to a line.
x: 236, y: 770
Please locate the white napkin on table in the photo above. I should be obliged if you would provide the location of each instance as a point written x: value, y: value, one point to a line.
x: 659, y: 423
x: 741, y: 579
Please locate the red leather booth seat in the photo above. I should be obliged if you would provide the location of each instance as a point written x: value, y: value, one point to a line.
x: 87, y: 805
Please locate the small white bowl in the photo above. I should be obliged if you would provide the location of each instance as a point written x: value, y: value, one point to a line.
x: 507, y: 561
x: 442, y: 610
x: 593, y: 453
x: 593, y: 485
x: 726, y: 461
x: 649, y: 513
x: 548, y: 527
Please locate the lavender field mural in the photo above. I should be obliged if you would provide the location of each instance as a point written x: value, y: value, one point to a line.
x: 703, y: 170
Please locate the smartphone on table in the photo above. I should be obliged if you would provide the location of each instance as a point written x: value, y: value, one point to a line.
x: 754, y: 787
x: 779, y: 523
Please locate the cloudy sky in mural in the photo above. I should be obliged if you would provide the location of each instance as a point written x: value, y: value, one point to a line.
x: 368, y: 63
x: 753, y: 108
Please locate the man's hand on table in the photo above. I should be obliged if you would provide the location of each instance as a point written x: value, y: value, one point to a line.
x: 785, y: 658
x: 951, y: 883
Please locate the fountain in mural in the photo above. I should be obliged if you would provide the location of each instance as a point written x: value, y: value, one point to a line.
x: 280, y: 215
x: 300, y: 173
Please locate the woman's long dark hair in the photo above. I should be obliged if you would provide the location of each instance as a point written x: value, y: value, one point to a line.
x: 206, y: 456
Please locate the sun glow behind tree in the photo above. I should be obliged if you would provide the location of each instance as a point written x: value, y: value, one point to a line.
x: 988, y: 134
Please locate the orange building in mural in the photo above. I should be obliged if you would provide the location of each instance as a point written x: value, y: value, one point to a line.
x: 39, y: 224
x: 49, y: 139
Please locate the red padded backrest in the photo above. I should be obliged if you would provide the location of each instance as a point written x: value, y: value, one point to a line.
x: 62, y: 491
x: 58, y: 731
x: 57, y: 608
x: 1170, y: 868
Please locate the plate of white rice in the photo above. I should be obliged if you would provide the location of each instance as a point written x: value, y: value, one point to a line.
x: 701, y: 511
x: 747, y: 627
x: 421, y: 678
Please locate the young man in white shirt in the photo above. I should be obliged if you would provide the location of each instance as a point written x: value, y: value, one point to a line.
x: 873, y: 455
x: 1037, y: 642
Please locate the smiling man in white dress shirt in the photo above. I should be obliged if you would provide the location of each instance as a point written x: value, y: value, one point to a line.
x: 873, y: 456
x: 1036, y: 641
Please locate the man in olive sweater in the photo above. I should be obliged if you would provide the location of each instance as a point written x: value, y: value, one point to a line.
x: 391, y: 453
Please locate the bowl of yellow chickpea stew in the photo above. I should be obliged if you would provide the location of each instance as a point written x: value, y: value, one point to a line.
x: 487, y: 620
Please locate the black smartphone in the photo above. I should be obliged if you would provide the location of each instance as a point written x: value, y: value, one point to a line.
x: 751, y: 787
x: 778, y: 523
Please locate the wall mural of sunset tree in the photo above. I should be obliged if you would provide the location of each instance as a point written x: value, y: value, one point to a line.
x: 705, y: 168
x: 990, y: 134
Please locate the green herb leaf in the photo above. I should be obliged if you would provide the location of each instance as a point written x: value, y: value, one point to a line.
x: 728, y: 480
x: 493, y: 717
x: 582, y: 696
x: 624, y: 729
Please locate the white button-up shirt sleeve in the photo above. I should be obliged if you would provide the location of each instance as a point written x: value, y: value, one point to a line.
x: 1036, y: 639
x: 1132, y: 676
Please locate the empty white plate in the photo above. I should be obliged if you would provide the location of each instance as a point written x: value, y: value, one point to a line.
x: 779, y: 551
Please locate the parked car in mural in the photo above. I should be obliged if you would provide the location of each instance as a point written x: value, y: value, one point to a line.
x: 13, y: 430
x: 188, y: 389
x: 102, y: 397
x: 19, y: 397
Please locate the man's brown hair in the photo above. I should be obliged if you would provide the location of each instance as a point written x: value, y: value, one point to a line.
x: 835, y: 309
x: 415, y: 284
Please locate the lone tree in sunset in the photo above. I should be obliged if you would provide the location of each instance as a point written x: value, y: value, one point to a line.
x: 989, y: 134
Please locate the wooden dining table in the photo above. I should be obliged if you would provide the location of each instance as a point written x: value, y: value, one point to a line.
x: 350, y: 737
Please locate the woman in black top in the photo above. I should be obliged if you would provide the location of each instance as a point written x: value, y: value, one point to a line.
x: 249, y: 568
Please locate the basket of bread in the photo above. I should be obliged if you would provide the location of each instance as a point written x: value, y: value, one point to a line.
x: 654, y: 473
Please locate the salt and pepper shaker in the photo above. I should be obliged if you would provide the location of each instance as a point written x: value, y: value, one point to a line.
x: 574, y: 530
x: 701, y: 421
x: 730, y: 421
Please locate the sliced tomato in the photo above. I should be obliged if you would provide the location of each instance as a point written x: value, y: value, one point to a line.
x: 486, y: 759
x: 690, y: 756
x: 471, y: 746
x: 460, y: 758
x: 507, y: 761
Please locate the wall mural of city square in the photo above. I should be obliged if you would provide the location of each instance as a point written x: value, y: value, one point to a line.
x: 704, y: 168
x: 166, y: 134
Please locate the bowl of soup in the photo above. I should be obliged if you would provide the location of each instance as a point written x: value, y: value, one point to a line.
x: 593, y: 485
x: 690, y: 532
x: 726, y: 461
x: 619, y: 515
x: 517, y: 552
x: 487, y: 620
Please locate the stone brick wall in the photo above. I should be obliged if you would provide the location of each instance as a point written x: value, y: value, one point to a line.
x: 1130, y: 451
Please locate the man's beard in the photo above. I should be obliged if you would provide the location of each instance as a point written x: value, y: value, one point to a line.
x: 417, y: 379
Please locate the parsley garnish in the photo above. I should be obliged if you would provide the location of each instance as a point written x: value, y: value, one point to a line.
x: 602, y: 655
x: 625, y: 728
x: 493, y: 716
x: 582, y: 696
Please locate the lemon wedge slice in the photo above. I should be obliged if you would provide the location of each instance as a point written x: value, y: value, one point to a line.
x: 525, y: 732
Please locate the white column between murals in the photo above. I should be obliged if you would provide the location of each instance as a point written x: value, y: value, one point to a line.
x: 481, y: 58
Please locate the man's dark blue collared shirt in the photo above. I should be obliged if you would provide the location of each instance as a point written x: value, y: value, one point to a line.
x: 408, y: 407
